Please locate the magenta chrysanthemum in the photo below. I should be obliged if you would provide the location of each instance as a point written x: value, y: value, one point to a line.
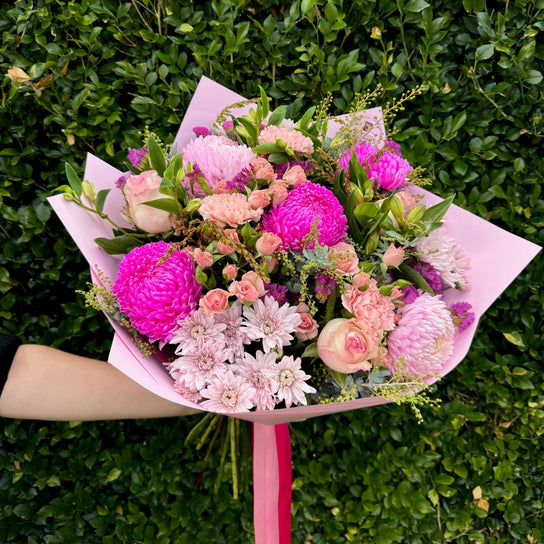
x: 424, y: 336
x: 307, y: 205
x: 386, y: 168
x: 155, y: 295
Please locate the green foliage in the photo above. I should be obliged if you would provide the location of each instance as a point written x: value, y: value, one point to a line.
x: 97, y: 74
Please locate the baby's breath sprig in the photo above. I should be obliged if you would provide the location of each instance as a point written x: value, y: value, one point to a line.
x: 391, y: 109
x: 417, y: 177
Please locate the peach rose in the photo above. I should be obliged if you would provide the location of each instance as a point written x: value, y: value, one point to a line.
x: 202, y: 258
x: 295, y: 175
x: 268, y: 243
x: 230, y: 271
x: 249, y: 288
x: 263, y: 169
x: 393, y: 256
x: 143, y: 188
x: 308, y: 325
x: 224, y: 248
x: 346, y: 345
x: 220, y: 188
x: 360, y: 280
x: 278, y: 190
x: 345, y: 257
x: 259, y: 199
x: 215, y: 301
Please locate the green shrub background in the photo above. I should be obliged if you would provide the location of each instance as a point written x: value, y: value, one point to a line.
x: 100, y: 71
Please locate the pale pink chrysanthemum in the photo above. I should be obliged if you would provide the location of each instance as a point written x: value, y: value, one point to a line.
x: 199, y: 366
x: 218, y: 158
x: 291, y: 380
x: 292, y: 138
x: 229, y: 394
x: 256, y: 370
x: 235, y: 337
x: 186, y: 392
x: 369, y: 304
x: 196, y: 329
x: 228, y: 209
x: 424, y: 336
x: 265, y: 320
x: 308, y: 205
x: 153, y: 295
x: 386, y: 168
x: 446, y: 256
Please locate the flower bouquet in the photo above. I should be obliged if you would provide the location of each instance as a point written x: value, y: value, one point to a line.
x: 276, y: 269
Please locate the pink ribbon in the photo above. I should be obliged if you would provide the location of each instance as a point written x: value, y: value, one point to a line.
x: 272, y: 483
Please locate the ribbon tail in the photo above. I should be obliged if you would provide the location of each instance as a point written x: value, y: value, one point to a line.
x: 272, y: 483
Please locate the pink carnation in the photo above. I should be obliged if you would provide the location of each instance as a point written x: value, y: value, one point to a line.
x: 307, y: 205
x: 292, y: 138
x: 153, y: 295
x: 228, y: 209
x: 424, y: 336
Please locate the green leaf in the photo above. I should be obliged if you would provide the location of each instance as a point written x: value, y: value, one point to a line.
x: 485, y: 51
x: 415, y: 277
x: 264, y: 102
x: 73, y: 179
x: 436, y: 213
x: 277, y: 116
x: 101, y: 199
x: 119, y: 245
x: 267, y: 148
x: 515, y: 338
x: 166, y: 204
x: 156, y: 156
x: 415, y: 6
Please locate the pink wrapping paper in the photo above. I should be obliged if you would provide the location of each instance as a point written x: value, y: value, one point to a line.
x: 497, y: 257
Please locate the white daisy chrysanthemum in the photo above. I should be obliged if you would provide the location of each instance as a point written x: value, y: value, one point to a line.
x: 269, y: 322
x: 229, y: 394
x: 256, y: 370
x: 441, y: 251
x: 292, y: 381
x: 197, y: 368
x: 235, y: 338
x: 196, y: 329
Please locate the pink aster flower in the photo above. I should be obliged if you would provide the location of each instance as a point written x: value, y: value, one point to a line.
x: 423, y: 337
x: 269, y: 322
x: 198, y: 367
x: 386, y: 168
x: 257, y: 371
x: 228, y: 209
x: 292, y: 381
x: 446, y: 256
x: 195, y: 330
x: 186, y: 392
x: 307, y: 205
x: 229, y: 394
x: 155, y: 296
x: 292, y: 138
x: 218, y: 158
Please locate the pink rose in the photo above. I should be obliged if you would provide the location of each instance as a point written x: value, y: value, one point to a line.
x: 308, y: 325
x: 143, y: 188
x: 215, y: 301
x: 295, y: 176
x: 360, y: 280
x: 259, y: 199
x: 279, y: 192
x: 249, y: 288
x: 263, y: 169
x: 345, y: 257
x: 268, y: 243
x: 346, y: 345
x: 230, y: 271
x: 220, y: 188
x: 202, y: 258
x: 270, y: 262
x: 225, y: 249
x: 393, y: 256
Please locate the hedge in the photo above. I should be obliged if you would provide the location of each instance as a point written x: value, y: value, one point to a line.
x: 92, y: 75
